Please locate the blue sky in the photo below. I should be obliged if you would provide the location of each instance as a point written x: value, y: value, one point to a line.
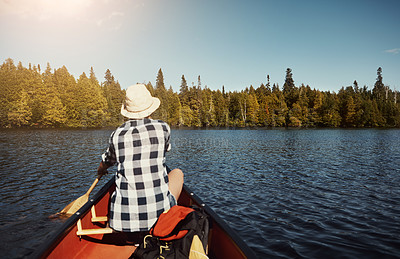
x: 327, y: 44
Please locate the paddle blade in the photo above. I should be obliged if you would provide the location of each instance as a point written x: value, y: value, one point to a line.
x: 78, y: 203
x: 75, y: 205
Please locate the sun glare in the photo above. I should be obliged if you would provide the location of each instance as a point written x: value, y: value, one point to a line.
x: 44, y: 9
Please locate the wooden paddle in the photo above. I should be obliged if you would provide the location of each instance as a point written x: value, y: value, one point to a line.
x: 78, y: 203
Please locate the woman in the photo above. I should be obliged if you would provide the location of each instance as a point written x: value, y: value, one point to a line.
x: 144, y: 189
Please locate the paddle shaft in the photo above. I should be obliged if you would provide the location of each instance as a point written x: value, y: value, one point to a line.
x: 93, y: 185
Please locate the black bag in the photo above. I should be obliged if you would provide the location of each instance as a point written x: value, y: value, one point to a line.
x: 172, y: 235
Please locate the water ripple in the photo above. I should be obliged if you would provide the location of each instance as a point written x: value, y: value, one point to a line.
x: 288, y: 193
x: 301, y: 193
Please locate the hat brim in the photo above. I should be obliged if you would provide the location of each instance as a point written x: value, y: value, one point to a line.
x: 141, y: 114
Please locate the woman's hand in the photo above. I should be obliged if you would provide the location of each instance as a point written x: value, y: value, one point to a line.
x: 102, y: 170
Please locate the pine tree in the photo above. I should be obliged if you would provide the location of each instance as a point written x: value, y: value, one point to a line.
x: 186, y: 113
x: 65, y: 84
x: 208, y: 117
x: 92, y: 105
x: 263, y: 111
x: 114, y: 97
x: 160, y: 80
x: 161, y: 93
x: 20, y: 114
x: 243, y: 102
x: 379, y: 87
x: 303, y: 104
x: 253, y: 108
x: 350, y: 115
x: 193, y: 107
x: 289, y: 89
x: 235, y: 109
x: 330, y: 111
x: 53, y: 112
x: 279, y: 109
x: 174, y: 108
x: 8, y: 75
x: 93, y: 78
x: 183, y: 91
x: 221, y: 109
x: 317, y: 109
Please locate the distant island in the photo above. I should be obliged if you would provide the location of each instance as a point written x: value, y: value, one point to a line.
x: 30, y: 97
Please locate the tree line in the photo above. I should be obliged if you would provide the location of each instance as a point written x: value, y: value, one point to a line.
x: 54, y: 98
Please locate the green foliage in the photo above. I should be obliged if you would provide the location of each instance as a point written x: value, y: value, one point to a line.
x: 54, y: 98
x: 114, y: 97
x: 29, y: 97
x: 20, y: 113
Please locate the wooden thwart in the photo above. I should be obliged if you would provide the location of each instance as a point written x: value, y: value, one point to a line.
x: 98, y: 219
x: 94, y: 231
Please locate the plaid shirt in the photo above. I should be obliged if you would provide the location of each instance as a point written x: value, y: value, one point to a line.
x: 138, y: 147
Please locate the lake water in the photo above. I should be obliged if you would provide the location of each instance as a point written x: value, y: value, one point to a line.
x: 310, y: 193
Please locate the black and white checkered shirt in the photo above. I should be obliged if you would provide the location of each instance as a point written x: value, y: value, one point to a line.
x: 138, y: 147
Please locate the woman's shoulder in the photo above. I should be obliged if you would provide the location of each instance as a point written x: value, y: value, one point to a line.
x: 154, y: 121
x: 143, y: 124
x: 159, y: 123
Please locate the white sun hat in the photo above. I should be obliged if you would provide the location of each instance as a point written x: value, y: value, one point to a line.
x: 138, y: 102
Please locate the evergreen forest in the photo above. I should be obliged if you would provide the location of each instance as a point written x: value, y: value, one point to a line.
x: 32, y: 97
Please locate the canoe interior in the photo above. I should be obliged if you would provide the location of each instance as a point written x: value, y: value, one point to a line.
x: 223, y: 242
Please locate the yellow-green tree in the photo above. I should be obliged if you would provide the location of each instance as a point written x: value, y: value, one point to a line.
x: 316, y: 110
x: 66, y: 86
x: 91, y: 103
x: 278, y: 107
x: 8, y: 77
x: 114, y: 97
x: 207, y: 113
x: 330, y: 111
x: 221, y: 108
x: 20, y: 113
x: 252, y: 109
x: 174, y: 108
x: 161, y: 93
x: 53, y: 111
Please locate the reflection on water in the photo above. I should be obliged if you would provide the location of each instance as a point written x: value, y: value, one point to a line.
x: 289, y: 193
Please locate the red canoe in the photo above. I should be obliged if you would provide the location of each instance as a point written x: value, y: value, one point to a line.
x: 84, y: 234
